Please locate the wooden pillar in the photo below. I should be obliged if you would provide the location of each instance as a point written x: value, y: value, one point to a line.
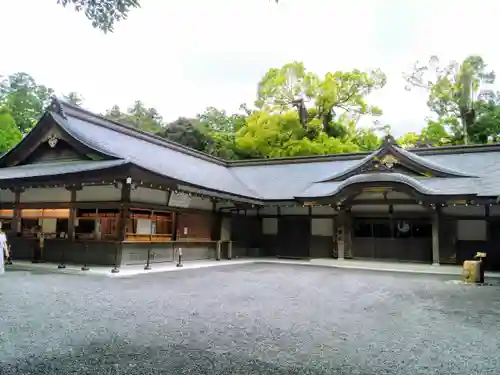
x: 435, y: 237
x: 124, y: 209
x: 488, y: 222
x: 175, y: 225
x: 348, y: 233
x: 335, y: 247
x: 16, y: 220
x: 72, y: 211
x: 215, y: 233
x: 340, y: 234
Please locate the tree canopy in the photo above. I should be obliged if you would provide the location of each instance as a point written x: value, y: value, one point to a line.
x: 103, y: 14
x: 296, y: 112
x: 455, y: 94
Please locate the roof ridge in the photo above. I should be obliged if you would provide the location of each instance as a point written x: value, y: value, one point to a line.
x: 86, y: 115
x: 439, y: 150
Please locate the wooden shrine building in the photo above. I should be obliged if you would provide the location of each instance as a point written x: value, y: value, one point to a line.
x: 105, y: 193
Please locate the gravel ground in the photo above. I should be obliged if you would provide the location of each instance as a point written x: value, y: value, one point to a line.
x: 249, y: 319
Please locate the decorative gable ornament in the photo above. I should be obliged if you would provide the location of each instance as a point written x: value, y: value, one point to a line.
x: 52, y: 141
x: 389, y: 161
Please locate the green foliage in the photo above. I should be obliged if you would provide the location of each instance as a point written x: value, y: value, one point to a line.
x: 73, y: 98
x: 187, y: 132
x: 25, y: 99
x: 454, y: 93
x: 9, y: 132
x: 339, y: 91
x: 268, y: 135
x: 486, y: 128
x: 297, y: 113
x: 103, y: 14
x: 138, y: 116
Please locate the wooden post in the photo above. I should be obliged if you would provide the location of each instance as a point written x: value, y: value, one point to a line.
x: 16, y: 220
x: 122, y: 223
x: 435, y: 238
x: 215, y: 233
x: 175, y: 226
x: 124, y: 209
x: 340, y: 234
x: 72, y: 212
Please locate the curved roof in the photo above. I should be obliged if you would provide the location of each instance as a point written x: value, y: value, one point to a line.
x: 454, y: 171
x: 58, y: 168
x: 150, y: 152
x: 390, y: 147
x: 325, y: 189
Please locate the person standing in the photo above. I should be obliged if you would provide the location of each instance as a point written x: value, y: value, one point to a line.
x: 5, y: 247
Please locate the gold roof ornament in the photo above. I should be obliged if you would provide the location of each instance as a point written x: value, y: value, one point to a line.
x: 389, y: 161
x: 52, y: 141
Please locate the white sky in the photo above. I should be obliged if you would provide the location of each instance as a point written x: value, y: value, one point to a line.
x: 181, y: 56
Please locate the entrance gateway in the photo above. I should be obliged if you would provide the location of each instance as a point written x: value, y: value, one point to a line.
x: 101, y: 198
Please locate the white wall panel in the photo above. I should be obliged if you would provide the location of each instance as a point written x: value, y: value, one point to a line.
x: 201, y: 203
x: 375, y: 208
x: 35, y: 195
x: 464, y: 210
x: 147, y: 195
x: 294, y: 210
x: 6, y: 196
x: 323, y: 210
x: 409, y: 208
x: 106, y: 193
x: 268, y: 210
x: 322, y: 227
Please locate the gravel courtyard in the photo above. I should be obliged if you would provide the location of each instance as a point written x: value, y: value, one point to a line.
x: 248, y: 319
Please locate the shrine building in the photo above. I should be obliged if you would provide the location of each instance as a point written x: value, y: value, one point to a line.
x: 107, y: 194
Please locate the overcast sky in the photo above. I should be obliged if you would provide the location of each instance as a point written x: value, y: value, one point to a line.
x: 181, y: 56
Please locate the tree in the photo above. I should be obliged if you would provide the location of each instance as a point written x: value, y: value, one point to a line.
x: 103, y: 13
x: 486, y: 128
x: 186, y: 132
x: 221, y: 130
x: 9, y: 132
x: 268, y: 135
x: 453, y: 91
x: 292, y: 86
x: 25, y: 99
x: 138, y: 116
x: 73, y: 98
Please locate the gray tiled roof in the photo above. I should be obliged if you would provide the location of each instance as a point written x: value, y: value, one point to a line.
x: 425, y: 186
x: 432, y: 165
x: 281, y: 180
x: 56, y: 168
x: 152, y: 153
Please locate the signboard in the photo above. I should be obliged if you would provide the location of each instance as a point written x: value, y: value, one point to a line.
x: 179, y: 200
x: 143, y: 226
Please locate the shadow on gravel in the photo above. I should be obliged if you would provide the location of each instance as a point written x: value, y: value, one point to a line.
x: 122, y: 358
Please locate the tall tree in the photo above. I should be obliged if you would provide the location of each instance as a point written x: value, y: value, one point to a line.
x: 334, y: 94
x: 25, y: 99
x: 103, y: 14
x: 138, y: 116
x: 221, y: 128
x: 187, y: 132
x: 453, y: 90
x: 73, y: 98
x: 268, y: 135
x: 9, y: 132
